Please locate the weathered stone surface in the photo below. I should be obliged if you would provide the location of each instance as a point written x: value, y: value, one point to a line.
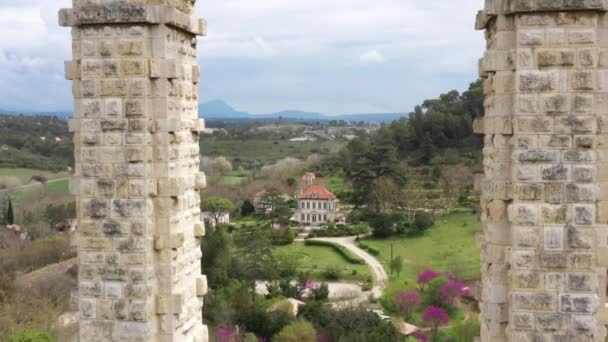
x: 135, y: 79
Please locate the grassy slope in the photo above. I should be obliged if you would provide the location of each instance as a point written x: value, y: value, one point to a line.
x: 450, y: 245
x: 25, y: 175
x: 315, y: 259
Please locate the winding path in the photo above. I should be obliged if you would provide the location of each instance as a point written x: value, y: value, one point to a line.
x: 379, y: 275
x: 33, y: 184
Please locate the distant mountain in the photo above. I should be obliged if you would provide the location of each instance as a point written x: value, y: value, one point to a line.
x: 220, y: 110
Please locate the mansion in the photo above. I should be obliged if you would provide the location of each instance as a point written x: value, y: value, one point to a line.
x: 317, y: 205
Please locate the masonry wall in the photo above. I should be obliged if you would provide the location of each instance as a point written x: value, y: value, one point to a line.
x: 137, y: 177
x: 545, y: 192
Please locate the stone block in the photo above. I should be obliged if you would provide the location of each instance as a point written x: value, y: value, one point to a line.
x: 554, y: 260
x: 580, y: 238
x: 578, y: 303
x: 199, y: 229
x: 552, y: 58
x: 201, y: 286
x: 526, y: 237
x: 523, y: 214
x: 575, y: 192
x: 582, y: 80
x: 549, y: 81
x: 553, y: 238
x: 534, y: 301
x: 581, y: 282
x: 581, y: 37
x: 523, y: 259
x: 581, y: 260
x: 531, y: 38
x: 556, y: 104
x: 558, y: 172
x: 523, y: 321
x: 584, y: 214
x: 526, y: 280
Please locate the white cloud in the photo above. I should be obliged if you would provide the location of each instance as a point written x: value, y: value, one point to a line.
x: 372, y: 57
x: 267, y: 55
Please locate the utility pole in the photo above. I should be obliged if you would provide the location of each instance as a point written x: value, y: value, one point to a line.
x: 392, y: 259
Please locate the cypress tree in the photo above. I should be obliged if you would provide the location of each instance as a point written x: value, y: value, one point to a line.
x: 10, y: 216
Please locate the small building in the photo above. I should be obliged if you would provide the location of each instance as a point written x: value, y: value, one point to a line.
x: 317, y: 206
x: 209, y: 220
x: 308, y: 179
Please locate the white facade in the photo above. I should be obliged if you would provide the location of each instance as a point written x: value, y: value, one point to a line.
x: 317, y: 212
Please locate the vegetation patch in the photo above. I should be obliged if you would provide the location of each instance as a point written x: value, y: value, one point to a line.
x: 345, y: 253
x: 319, y: 262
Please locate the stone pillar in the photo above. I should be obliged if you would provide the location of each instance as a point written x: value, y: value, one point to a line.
x: 545, y: 192
x: 137, y: 174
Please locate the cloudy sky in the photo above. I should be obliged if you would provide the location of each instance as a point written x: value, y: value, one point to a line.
x: 261, y: 56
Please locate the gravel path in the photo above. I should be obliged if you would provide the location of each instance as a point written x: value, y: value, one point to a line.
x: 379, y: 275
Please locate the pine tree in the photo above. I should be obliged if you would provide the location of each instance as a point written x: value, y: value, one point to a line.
x: 10, y: 215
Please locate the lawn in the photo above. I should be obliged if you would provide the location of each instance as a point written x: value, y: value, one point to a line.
x: 25, y: 175
x: 60, y: 185
x: 315, y: 259
x: 236, y: 177
x: 448, y: 246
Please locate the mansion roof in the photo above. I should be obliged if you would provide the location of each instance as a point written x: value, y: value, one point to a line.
x: 318, y: 192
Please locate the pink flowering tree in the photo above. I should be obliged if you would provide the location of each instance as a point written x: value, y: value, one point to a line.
x: 450, y: 291
x: 426, y: 277
x: 434, y: 317
x: 408, y: 302
x: 420, y: 336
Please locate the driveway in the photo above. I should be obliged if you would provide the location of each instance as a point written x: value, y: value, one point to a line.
x: 379, y: 275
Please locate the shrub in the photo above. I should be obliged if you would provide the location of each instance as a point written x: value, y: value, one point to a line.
x: 264, y: 324
x: 384, y: 225
x: 332, y: 273
x: 297, y: 332
x: 423, y: 220
x: 31, y: 336
x: 357, y: 216
x: 283, y: 236
x: 348, y: 256
x: 320, y: 292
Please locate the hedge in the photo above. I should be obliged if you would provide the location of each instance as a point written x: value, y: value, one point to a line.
x: 348, y: 256
x: 371, y: 250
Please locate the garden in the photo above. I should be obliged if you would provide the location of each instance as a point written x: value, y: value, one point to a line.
x: 324, y: 262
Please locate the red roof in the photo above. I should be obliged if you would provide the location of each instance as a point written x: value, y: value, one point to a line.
x: 317, y: 192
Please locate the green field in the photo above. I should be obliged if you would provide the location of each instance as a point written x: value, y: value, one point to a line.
x: 25, y: 175
x: 60, y: 185
x: 315, y: 259
x: 236, y: 177
x: 448, y: 246
x: 251, y: 152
